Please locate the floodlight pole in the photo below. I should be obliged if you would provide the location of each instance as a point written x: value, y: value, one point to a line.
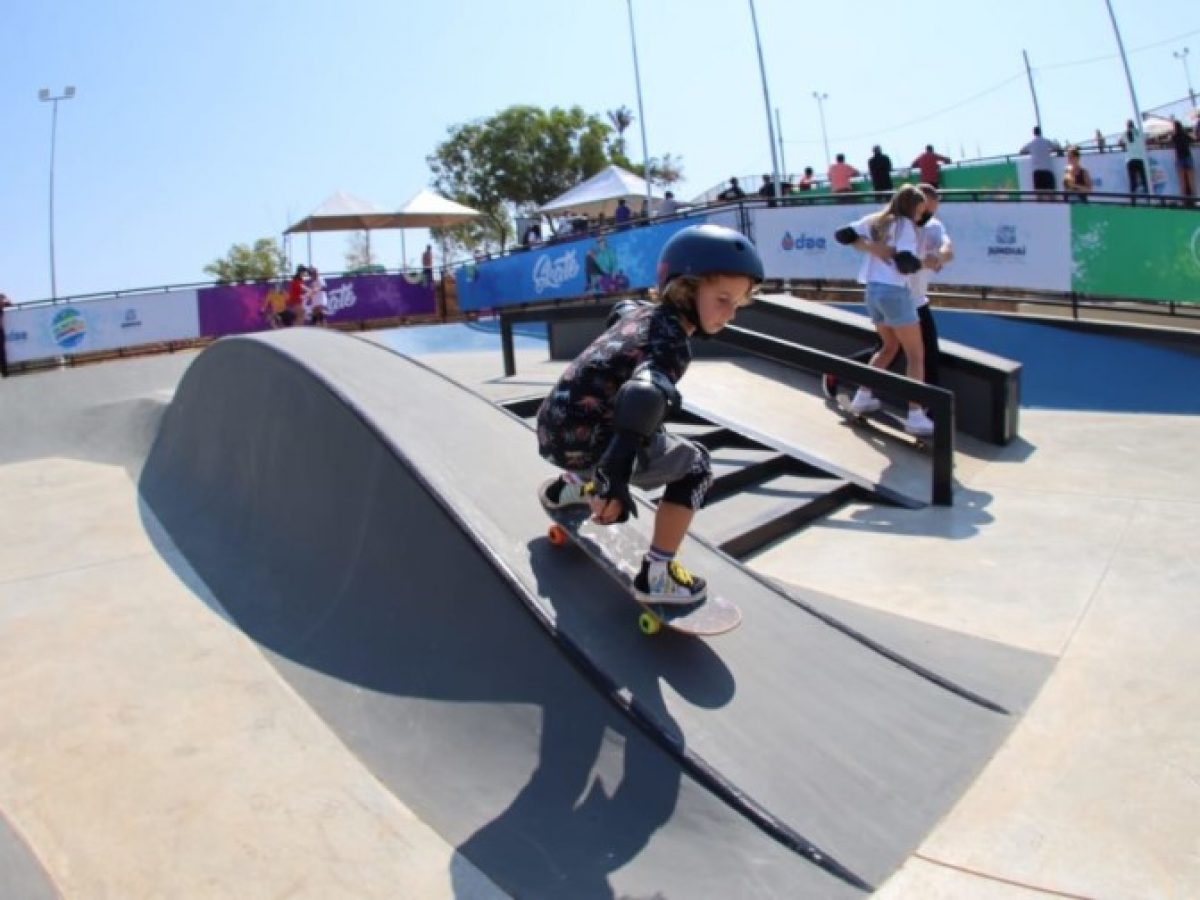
x: 1037, y: 112
x: 1137, y: 110
x: 762, y: 69
x: 821, y: 98
x: 46, y: 97
x: 1182, y: 56
x: 637, y: 78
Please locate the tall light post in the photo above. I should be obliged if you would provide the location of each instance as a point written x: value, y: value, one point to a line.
x: 762, y: 70
x: 1137, y: 110
x: 46, y: 97
x: 821, y: 98
x: 637, y: 77
x: 1182, y: 56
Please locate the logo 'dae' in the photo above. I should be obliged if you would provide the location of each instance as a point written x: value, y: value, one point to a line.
x: 801, y: 242
x: 552, y: 272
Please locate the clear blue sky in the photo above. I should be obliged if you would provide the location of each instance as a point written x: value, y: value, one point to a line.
x: 198, y: 125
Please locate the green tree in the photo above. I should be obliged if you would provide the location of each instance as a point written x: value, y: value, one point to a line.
x: 262, y: 262
x: 621, y: 118
x: 511, y: 164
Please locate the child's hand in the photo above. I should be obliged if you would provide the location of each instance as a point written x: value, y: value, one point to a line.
x: 606, y: 510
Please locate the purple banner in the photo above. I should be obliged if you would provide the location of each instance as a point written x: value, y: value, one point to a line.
x: 238, y: 308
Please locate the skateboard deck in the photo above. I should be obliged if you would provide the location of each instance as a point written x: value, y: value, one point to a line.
x: 619, y: 553
x: 891, y: 420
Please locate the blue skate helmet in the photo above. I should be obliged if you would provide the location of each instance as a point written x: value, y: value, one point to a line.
x: 708, y: 250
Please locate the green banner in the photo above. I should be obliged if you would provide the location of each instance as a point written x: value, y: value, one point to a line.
x: 1121, y: 251
x: 1000, y: 176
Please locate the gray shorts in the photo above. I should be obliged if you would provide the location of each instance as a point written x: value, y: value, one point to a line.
x: 667, y: 458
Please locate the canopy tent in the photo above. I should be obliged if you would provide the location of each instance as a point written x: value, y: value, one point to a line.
x: 429, y: 210
x: 345, y: 212
x: 600, y: 193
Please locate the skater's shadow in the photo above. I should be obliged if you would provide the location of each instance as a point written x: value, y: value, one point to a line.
x: 601, y: 788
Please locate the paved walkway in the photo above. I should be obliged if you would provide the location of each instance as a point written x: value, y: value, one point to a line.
x: 150, y: 749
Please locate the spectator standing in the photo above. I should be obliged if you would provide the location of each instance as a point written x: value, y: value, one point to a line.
x: 1077, y: 181
x: 733, y: 192
x: 929, y: 166
x: 317, y: 300
x: 293, y: 310
x: 880, y: 168
x: 767, y: 189
x: 1100, y: 142
x: 1041, y: 152
x: 936, y: 251
x: 840, y: 174
x: 669, y: 205
x: 806, y: 180
x: 5, y: 303
x: 427, y: 265
x: 1134, y: 142
x: 1185, y: 166
x: 622, y: 214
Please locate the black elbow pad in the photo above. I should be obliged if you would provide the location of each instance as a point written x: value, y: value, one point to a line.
x: 845, y: 235
x: 906, y: 263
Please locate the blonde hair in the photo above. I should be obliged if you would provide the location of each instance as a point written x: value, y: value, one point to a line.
x: 681, y: 291
x: 904, y: 204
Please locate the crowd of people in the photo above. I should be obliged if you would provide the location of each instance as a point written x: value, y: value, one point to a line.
x: 304, y: 302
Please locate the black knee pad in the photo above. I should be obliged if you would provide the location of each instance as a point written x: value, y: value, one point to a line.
x: 692, y: 488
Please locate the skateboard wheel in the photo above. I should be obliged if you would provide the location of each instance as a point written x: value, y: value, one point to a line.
x: 648, y: 624
x: 557, y: 535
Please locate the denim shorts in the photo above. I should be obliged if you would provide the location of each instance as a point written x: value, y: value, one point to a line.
x: 890, y: 304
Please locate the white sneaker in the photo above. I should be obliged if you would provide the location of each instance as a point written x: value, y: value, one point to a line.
x: 864, y: 402
x: 564, y: 491
x: 918, y: 423
x: 668, y: 582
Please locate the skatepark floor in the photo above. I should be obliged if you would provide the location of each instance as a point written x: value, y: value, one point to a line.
x: 151, y: 749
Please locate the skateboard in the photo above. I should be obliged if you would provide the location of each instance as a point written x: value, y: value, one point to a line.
x: 619, y: 553
x: 891, y: 420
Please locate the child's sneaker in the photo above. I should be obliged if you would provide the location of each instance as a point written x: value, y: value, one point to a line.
x: 918, y: 423
x: 563, y: 491
x: 864, y: 402
x: 668, y: 582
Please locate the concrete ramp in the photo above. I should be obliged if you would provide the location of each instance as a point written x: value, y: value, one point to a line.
x: 374, y: 527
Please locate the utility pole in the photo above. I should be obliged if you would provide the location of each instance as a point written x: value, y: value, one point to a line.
x: 1037, y: 113
x: 762, y: 68
x: 46, y: 97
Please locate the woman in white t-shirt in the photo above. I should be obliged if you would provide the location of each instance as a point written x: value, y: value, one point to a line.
x: 315, y: 298
x: 891, y: 241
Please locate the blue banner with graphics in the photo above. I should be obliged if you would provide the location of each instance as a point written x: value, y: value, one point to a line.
x: 576, y: 267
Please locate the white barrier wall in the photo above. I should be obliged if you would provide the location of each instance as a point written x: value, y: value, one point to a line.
x: 67, y: 329
x: 1014, y: 245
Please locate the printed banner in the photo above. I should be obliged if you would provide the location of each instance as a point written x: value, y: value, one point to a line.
x: 573, y: 267
x: 239, y: 308
x: 797, y: 242
x: 91, y: 326
x: 1131, y: 252
x: 1017, y: 245
x: 1013, y: 245
x: 1109, y: 174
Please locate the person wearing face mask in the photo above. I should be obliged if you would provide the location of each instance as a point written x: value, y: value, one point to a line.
x: 602, y: 423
